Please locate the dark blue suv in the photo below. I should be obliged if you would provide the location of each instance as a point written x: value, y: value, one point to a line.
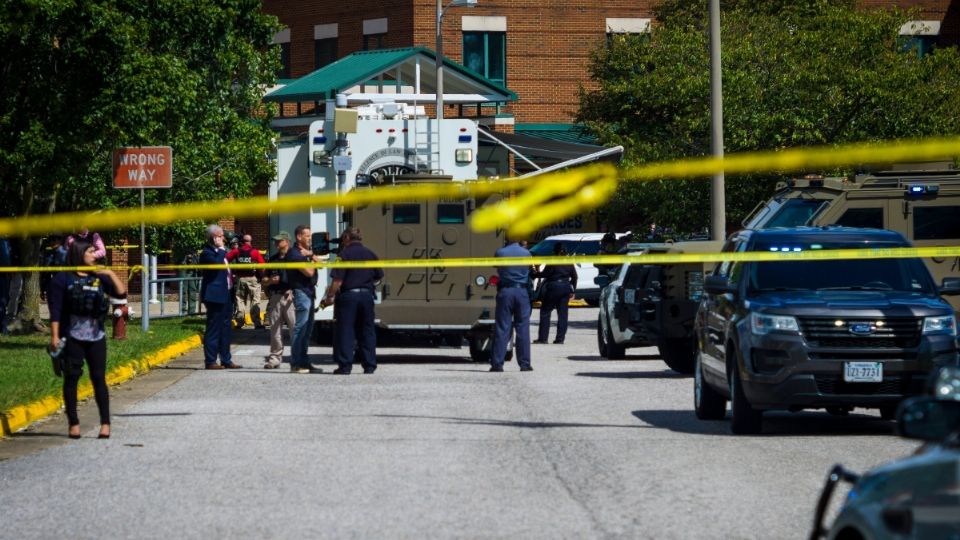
x: 833, y: 334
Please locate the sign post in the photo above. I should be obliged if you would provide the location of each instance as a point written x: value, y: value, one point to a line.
x: 142, y: 167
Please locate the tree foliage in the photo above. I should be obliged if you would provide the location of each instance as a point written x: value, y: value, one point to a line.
x: 82, y: 78
x: 795, y: 73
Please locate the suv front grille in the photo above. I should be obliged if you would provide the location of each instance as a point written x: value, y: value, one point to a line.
x: 887, y: 332
x: 829, y: 384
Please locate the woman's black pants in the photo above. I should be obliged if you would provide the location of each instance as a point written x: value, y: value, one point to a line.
x: 95, y: 353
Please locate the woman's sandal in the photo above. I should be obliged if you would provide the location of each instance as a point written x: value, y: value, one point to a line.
x: 103, y: 435
x: 73, y: 435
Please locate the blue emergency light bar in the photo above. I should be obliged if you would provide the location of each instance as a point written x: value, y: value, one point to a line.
x: 923, y: 189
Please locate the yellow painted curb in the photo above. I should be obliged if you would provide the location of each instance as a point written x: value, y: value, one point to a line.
x: 22, y: 416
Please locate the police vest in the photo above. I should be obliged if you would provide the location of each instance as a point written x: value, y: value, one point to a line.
x: 87, y: 298
x: 245, y: 257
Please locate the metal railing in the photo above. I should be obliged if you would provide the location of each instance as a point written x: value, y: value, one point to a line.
x: 188, y: 296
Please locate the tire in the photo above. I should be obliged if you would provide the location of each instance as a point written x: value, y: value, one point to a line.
x: 478, y: 352
x: 889, y: 412
x: 481, y: 350
x: 608, y: 349
x: 707, y: 402
x: 745, y: 420
x: 678, y: 354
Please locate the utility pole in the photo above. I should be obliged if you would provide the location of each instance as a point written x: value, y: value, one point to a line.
x: 439, y: 61
x: 718, y: 214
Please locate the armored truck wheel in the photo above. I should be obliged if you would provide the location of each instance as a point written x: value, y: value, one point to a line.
x: 606, y: 346
x: 678, y: 354
x: 481, y: 349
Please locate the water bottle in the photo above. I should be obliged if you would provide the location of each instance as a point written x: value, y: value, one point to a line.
x: 55, y: 356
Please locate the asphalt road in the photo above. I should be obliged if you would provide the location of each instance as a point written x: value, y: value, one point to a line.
x: 430, y: 446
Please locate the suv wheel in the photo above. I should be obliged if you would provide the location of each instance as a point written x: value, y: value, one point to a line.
x: 605, y: 344
x: 889, y: 412
x: 678, y: 354
x: 707, y: 402
x: 745, y: 420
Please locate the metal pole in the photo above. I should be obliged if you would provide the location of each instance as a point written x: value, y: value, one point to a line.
x: 439, y: 61
x: 718, y: 221
x: 153, y: 280
x: 145, y: 306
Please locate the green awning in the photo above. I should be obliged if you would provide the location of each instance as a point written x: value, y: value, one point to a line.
x: 365, y: 67
x: 570, y: 133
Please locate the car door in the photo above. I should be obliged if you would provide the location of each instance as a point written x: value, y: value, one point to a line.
x: 715, y: 310
x: 406, y: 233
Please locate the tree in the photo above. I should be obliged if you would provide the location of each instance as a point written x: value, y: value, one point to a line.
x: 82, y: 78
x: 795, y: 73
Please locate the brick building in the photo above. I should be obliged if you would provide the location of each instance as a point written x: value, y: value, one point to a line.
x: 538, y: 49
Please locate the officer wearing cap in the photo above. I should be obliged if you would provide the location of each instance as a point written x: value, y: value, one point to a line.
x: 513, y: 308
x: 352, y: 293
x: 280, y: 307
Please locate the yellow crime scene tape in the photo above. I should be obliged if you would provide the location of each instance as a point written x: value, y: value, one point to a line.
x: 539, y: 201
x: 646, y: 258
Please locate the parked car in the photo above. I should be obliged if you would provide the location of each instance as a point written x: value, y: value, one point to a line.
x: 578, y: 244
x: 914, y: 497
x: 625, y: 301
x: 834, y: 334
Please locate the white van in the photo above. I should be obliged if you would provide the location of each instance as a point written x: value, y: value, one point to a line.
x: 578, y: 244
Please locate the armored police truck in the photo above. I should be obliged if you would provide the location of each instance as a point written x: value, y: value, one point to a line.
x: 922, y: 202
x: 386, y: 143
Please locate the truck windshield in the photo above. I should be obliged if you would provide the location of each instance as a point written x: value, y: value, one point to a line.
x: 794, y: 213
x: 903, y: 275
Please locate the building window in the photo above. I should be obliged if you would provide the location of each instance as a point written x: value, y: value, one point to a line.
x: 919, y: 36
x: 284, y: 72
x: 635, y: 31
x: 324, y: 52
x: 282, y: 39
x: 372, y: 42
x: 486, y: 53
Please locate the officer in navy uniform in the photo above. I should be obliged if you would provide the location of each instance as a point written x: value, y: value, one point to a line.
x: 513, y: 309
x: 352, y: 293
x: 559, y: 283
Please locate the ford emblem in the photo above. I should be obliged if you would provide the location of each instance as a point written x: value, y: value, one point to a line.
x: 862, y: 329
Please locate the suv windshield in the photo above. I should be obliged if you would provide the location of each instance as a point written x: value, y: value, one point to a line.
x: 906, y: 275
x: 572, y: 247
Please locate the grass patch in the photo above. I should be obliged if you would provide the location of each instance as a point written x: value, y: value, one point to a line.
x: 26, y: 375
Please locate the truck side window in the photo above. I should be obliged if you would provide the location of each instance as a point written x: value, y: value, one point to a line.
x: 936, y: 222
x: 862, y: 217
x: 406, y: 214
x: 450, y: 214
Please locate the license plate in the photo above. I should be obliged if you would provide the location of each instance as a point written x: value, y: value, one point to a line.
x: 863, y: 372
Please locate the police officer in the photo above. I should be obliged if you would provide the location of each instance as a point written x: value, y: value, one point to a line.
x: 352, y: 293
x: 280, y: 306
x: 513, y: 309
x: 247, y: 282
x: 559, y: 283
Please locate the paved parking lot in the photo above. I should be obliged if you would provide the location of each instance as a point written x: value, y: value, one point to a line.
x: 431, y: 445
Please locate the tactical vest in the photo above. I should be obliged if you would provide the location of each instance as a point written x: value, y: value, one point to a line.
x: 245, y: 256
x: 87, y: 298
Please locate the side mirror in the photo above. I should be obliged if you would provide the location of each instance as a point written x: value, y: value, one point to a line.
x: 928, y: 419
x: 950, y: 286
x: 718, y: 285
x: 602, y: 280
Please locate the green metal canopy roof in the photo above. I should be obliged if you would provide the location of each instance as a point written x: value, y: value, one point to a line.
x: 363, y: 67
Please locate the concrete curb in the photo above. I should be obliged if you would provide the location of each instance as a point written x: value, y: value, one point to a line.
x: 22, y: 416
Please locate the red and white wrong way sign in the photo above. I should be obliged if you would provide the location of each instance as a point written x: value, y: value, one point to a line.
x: 143, y: 167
